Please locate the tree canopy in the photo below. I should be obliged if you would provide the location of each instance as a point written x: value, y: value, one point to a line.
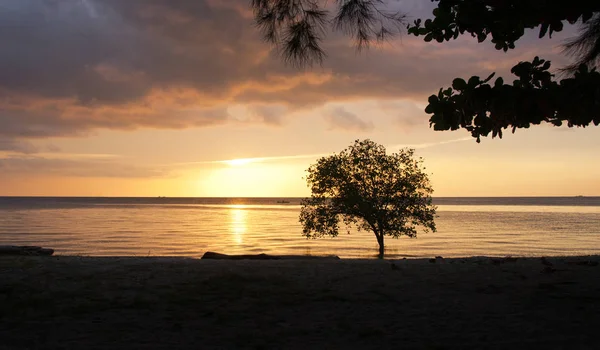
x: 388, y: 194
x: 298, y: 28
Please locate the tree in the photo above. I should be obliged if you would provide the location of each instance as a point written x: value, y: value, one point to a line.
x: 299, y: 26
x: 388, y: 194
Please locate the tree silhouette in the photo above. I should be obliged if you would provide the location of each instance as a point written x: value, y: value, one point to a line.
x: 298, y: 28
x: 388, y: 194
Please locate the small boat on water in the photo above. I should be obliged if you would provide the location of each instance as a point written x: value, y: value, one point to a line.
x: 283, y: 202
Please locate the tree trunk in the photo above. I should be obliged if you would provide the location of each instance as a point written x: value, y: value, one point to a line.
x: 381, y: 246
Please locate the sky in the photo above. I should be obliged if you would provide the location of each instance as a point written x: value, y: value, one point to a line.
x: 164, y: 97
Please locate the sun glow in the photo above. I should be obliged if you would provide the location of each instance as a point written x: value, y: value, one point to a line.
x: 237, y: 223
x: 239, y: 162
x: 254, y: 179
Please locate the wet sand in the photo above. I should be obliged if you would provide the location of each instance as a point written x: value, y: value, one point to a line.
x: 166, y: 303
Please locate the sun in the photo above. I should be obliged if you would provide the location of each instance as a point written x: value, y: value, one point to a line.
x: 239, y: 162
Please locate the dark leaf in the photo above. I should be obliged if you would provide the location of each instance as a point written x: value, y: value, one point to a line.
x: 499, y: 82
x: 459, y: 84
x: 543, y: 29
x: 488, y: 78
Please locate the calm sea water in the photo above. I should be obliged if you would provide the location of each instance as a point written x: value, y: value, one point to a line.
x: 524, y: 226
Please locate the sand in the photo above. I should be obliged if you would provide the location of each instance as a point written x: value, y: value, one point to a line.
x: 168, y: 303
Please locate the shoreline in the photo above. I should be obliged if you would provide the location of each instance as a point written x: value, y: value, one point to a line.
x: 166, y: 302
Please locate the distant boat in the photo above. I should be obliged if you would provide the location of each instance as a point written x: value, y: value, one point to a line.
x: 283, y: 202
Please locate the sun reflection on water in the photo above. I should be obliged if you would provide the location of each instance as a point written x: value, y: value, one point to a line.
x: 238, y: 223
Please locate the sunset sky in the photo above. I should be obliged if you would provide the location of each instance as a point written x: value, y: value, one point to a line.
x: 156, y: 97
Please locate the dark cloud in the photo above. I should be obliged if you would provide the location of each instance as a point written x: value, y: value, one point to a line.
x: 71, y: 66
x: 340, y: 118
x: 109, y: 51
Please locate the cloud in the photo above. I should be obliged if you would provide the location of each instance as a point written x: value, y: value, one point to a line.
x: 78, y: 167
x: 31, y: 118
x: 272, y: 114
x: 407, y: 115
x: 15, y: 145
x: 340, y: 118
x: 429, y: 144
x: 73, y: 66
x: 287, y: 158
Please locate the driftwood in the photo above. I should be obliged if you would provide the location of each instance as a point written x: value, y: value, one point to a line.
x: 219, y: 256
x: 24, y: 250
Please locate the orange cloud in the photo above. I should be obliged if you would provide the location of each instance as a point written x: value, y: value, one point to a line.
x: 114, y: 64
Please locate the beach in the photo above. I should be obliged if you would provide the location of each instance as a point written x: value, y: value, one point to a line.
x: 159, y: 303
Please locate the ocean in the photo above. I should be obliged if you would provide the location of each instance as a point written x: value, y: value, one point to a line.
x: 189, y: 227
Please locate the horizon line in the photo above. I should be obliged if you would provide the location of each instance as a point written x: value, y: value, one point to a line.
x: 295, y: 197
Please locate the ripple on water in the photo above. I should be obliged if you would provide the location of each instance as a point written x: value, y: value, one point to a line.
x: 181, y: 231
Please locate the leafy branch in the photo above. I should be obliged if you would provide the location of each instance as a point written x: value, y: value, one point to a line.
x: 531, y: 99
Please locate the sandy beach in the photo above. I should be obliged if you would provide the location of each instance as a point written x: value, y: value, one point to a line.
x: 160, y: 303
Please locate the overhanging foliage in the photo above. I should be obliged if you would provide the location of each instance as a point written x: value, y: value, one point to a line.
x: 298, y: 28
